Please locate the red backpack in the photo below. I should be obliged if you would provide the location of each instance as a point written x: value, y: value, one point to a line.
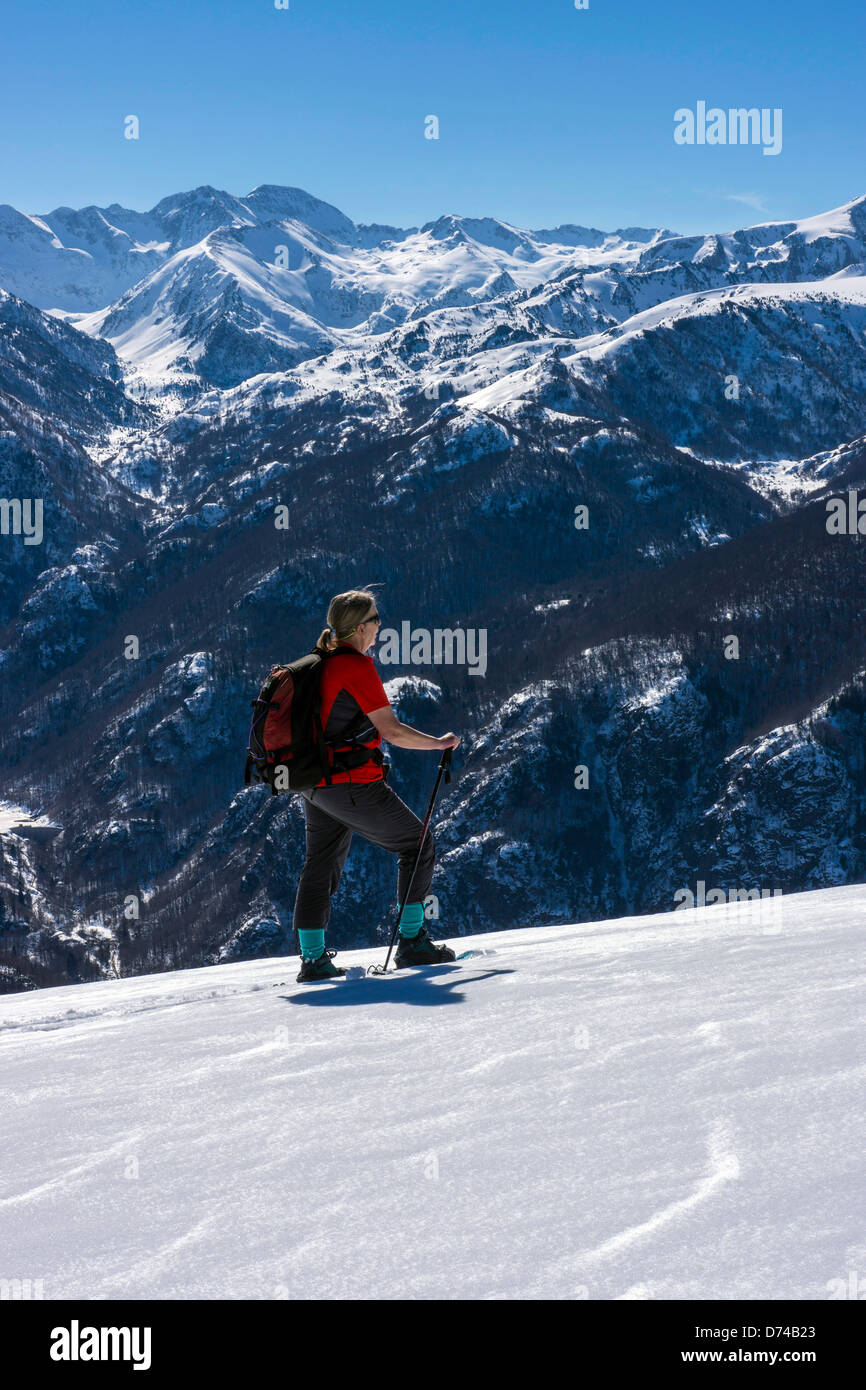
x: 287, y: 747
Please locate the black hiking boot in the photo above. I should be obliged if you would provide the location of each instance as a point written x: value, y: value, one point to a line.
x: 322, y: 969
x: 420, y: 950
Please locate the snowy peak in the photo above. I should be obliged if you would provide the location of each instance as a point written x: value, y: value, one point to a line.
x: 570, y: 235
x: 369, y: 234
x: 68, y: 260
x: 77, y: 260
x: 812, y: 247
x: 17, y: 226
x: 590, y: 237
x: 487, y: 231
x: 847, y: 220
x: 190, y: 216
x: 270, y: 202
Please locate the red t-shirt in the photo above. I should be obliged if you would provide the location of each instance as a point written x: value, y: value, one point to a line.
x: 349, y: 683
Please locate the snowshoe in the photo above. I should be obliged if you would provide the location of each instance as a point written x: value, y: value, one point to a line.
x: 420, y: 950
x: 322, y: 969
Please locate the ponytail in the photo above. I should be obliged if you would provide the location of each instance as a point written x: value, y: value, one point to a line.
x: 345, y: 612
x: 327, y: 642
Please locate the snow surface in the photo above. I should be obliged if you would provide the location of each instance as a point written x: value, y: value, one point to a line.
x: 13, y: 817
x: 661, y: 1107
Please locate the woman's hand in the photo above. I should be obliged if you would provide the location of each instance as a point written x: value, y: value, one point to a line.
x: 404, y: 736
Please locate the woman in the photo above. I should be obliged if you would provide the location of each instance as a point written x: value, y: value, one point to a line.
x: 356, y: 715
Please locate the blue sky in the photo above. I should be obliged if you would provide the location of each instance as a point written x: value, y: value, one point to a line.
x: 547, y: 114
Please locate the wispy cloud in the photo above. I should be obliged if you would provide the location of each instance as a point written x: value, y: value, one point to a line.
x: 752, y: 200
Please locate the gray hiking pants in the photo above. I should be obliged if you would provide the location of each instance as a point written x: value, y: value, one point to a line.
x: 375, y: 811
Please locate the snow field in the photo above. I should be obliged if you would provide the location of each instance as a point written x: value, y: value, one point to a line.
x: 663, y: 1107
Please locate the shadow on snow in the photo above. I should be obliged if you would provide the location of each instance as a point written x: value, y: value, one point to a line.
x: 424, y: 986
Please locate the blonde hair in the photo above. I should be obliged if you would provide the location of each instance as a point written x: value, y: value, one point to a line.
x: 345, y: 613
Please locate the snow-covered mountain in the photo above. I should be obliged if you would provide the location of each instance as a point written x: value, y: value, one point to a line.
x: 431, y: 405
x: 256, y: 296
x: 223, y: 287
x: 82, y: 259
x: 661, y: 1107
x: 208, y: 288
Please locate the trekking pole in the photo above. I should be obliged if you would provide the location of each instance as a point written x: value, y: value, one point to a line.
x: 444, y: 770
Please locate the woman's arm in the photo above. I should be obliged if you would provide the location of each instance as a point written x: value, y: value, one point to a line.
x: 389, y: 726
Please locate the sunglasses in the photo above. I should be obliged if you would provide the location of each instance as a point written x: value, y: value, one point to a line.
x: 373, y: 618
